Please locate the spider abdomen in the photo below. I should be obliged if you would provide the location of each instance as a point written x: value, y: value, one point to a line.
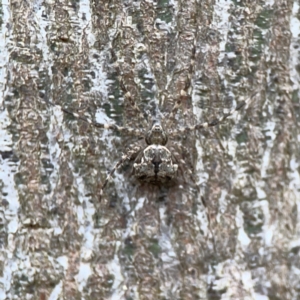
x: 155, y: 165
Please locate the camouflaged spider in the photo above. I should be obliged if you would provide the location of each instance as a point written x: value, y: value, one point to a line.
x: 154, y: 163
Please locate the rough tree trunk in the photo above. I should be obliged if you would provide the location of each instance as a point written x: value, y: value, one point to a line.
x: 228, y: 227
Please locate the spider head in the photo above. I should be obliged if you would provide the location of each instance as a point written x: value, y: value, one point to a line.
x: 156, y: 135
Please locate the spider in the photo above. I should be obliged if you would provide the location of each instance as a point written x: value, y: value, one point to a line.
x: 155, y: 162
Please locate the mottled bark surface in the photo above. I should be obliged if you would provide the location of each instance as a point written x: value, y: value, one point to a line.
x: 228, y: 228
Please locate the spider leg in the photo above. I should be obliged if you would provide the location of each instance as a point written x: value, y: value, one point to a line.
x: 184, y: 95
x: 215, y: 122
x: 125, y: 91
x: 185, y: 169
x: 130, y: 155
x: 132, y: 102
x: 125, y: 130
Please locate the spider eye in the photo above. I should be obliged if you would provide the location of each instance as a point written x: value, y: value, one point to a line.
x: 157, y: 128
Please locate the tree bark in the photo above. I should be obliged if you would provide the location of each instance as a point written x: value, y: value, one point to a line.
x: 227, y: 228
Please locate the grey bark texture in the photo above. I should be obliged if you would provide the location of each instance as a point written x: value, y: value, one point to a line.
x: 227, y: 228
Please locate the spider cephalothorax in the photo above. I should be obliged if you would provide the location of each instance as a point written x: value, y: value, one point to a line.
x: 155, y: 162
x: 156, y: 135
